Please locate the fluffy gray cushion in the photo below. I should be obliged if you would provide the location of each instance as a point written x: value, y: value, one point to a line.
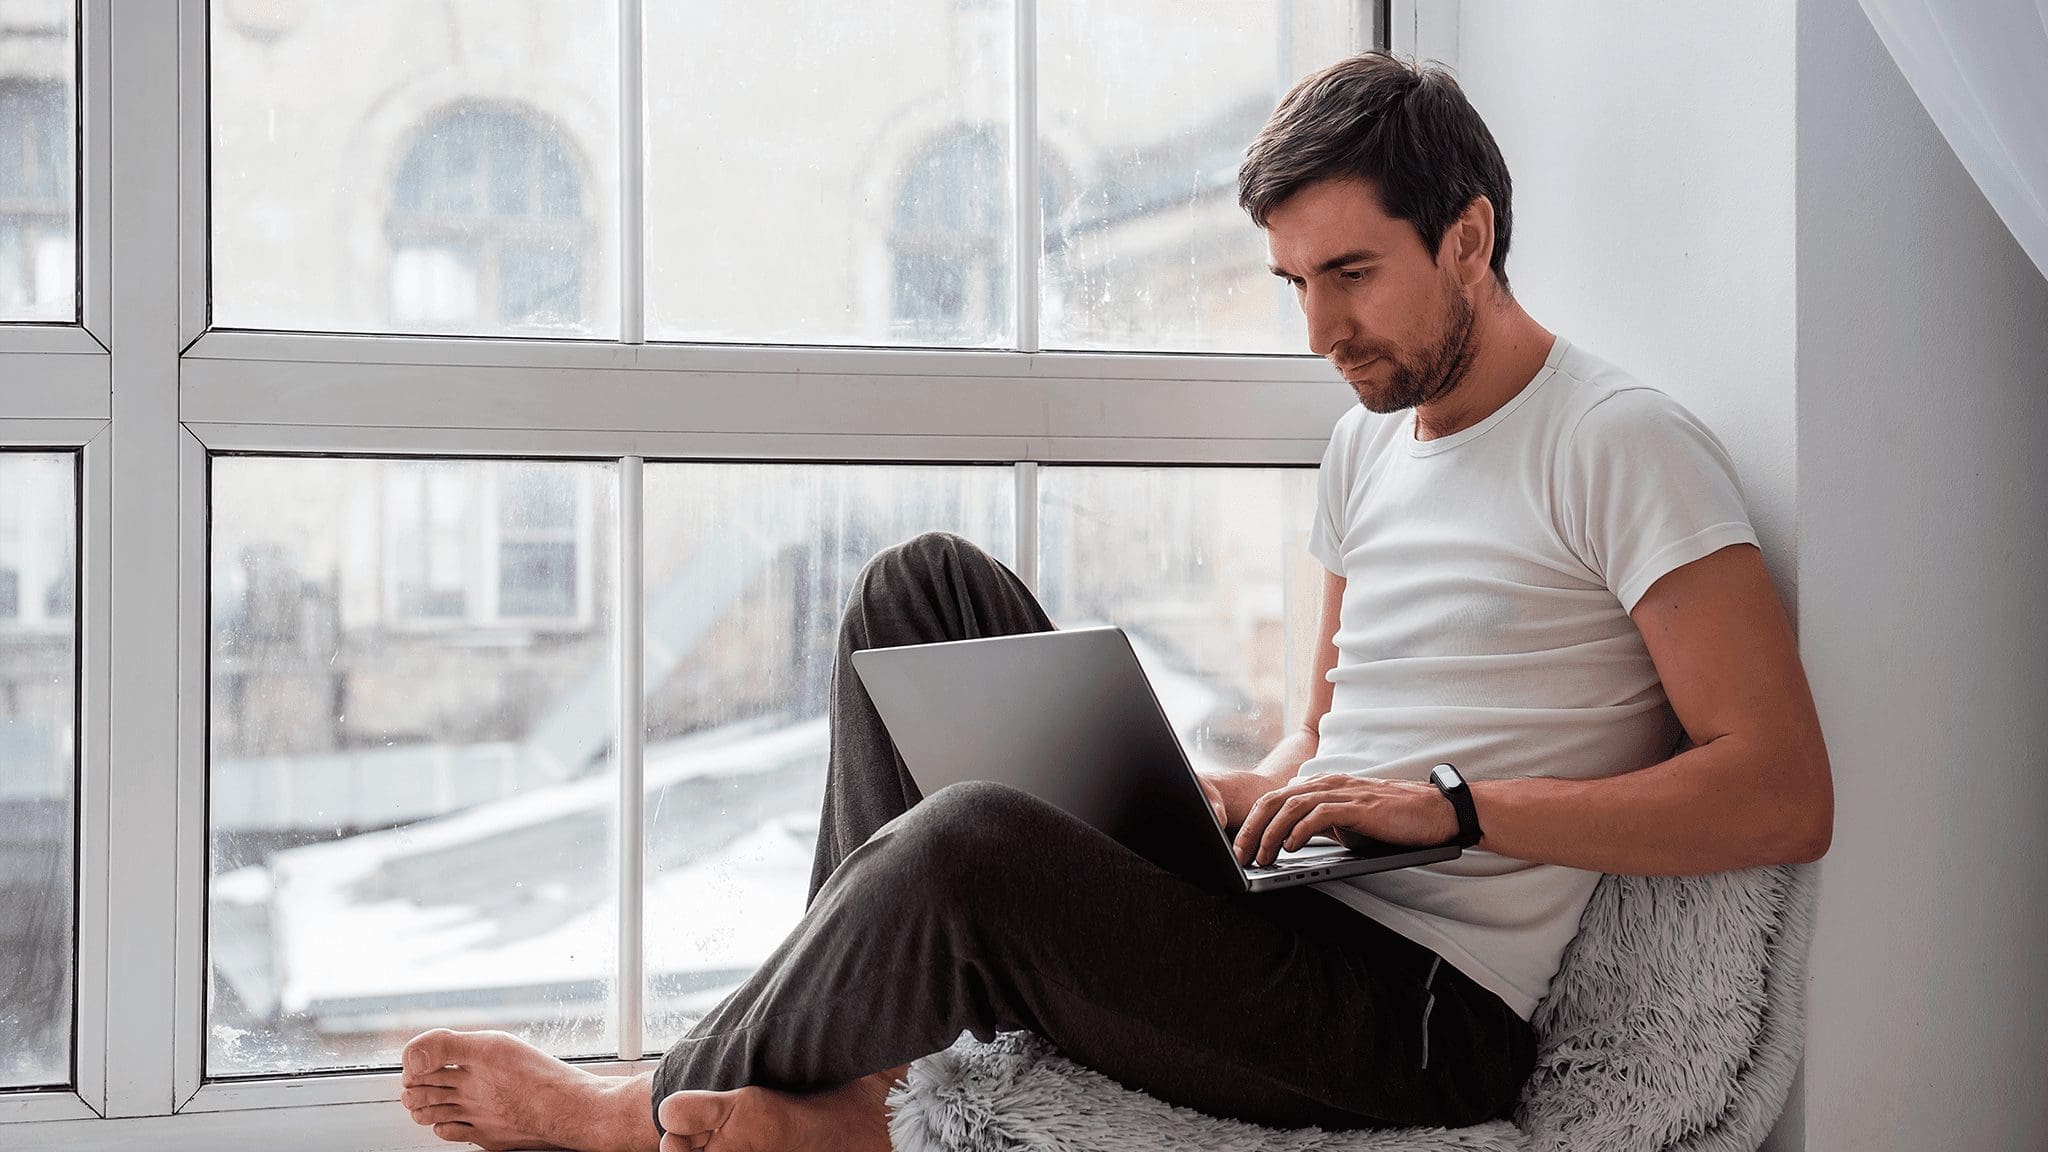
x: 1675, y: 1023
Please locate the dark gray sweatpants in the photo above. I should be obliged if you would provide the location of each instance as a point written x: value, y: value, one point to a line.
x: 981, y: 908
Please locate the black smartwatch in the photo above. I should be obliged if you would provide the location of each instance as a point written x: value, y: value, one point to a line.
x: 1453, y: 787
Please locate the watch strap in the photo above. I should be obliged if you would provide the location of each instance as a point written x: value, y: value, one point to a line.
x: 1454, y: 788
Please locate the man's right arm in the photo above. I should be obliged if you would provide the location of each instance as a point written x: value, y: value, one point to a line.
x: 1238, y: 790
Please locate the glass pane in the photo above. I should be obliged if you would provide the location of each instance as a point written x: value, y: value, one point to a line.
x: 748, y: 571
x: 1145, y: 109
x: 1208, y: 571
x: 38, y: 161
x: 38, y: 764
x: 830, y: 173
x: 382, y: 167
x: 413, y: 793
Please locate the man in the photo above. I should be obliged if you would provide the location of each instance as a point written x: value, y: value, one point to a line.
x: 1545, y: 576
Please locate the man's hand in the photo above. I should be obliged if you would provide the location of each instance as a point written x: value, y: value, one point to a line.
x: 1356, y: 810
x: 1232, y: 793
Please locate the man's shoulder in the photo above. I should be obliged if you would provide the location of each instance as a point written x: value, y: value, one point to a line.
x: 1597, y: 399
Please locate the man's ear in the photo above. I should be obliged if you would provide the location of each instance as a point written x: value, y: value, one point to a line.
x: 1468, y: 243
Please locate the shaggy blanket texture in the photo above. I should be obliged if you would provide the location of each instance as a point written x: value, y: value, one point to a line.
x: 1675, y: 1023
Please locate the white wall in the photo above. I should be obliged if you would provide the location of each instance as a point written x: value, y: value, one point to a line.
x: 1847, y: 313
x: 1652, y: 154
x: 1923, y: 460
x: 1653, y: 157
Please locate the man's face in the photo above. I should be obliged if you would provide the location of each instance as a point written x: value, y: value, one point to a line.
x: 1395, y: 322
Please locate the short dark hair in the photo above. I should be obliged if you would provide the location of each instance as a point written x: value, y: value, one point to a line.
x: 1405, y: 128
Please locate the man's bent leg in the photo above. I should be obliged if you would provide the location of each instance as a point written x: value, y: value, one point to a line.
x: 984, y: 909
x: 493, y: 1089
x: 935, y: 586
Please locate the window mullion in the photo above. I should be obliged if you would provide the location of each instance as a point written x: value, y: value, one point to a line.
x: 1369, y: 24
x: 632, y: 199
x: 146, y: 872
x: 1027, y: 524
x: 631, y: 745
x: 1024, y: 155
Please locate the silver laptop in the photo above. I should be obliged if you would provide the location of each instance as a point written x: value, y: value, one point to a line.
x: 1069, y: 717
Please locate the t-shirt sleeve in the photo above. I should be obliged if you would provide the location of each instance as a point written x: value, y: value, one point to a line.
x: 1647, y: 488
x: 1333, y: 481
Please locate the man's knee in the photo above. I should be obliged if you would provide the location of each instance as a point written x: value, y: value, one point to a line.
x: 971, y: 841
x: 936, y: 542
x: 926, y: 552
x: 977, y: 819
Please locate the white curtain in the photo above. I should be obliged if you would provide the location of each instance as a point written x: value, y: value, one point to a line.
x: 1981, y: 68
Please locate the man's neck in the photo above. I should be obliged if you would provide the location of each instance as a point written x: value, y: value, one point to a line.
x: 1510, y: 349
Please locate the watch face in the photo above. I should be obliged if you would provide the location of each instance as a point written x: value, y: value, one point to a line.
x: 1449, y: 774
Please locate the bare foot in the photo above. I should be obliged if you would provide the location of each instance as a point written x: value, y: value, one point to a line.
x: 852, y: 1118
x: 497, y: 1091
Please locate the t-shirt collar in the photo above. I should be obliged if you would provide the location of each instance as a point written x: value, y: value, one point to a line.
x: 1446, y: 443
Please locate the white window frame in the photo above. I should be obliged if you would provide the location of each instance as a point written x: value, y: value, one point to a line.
x: 147, y: 416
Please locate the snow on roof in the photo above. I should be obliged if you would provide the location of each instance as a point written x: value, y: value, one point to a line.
x: 335, y: 944
x: 349, y: 930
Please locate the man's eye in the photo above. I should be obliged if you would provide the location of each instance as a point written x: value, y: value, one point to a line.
x: 1352, y: 274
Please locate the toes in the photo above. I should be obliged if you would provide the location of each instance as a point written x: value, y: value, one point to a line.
x: 686, y: 1114
x: 434, y: 1050
x: 458, y: 1132
x: 421, y: 1097
x: 439, y: 1114
x: 449, y: 1077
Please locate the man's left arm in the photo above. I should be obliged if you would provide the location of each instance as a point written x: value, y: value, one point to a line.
x: 1756, y: 789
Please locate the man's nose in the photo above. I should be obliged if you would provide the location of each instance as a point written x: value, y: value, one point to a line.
x: 1328, y: 323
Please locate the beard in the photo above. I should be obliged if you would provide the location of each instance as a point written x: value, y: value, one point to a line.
x: 1434, y: 372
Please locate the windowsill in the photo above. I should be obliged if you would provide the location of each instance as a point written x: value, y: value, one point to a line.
x: 342, y: 1113
x: 375, y: 1127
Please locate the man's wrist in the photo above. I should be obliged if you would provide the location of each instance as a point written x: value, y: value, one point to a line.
x: 1444, y: 814
x: 1457, y: 795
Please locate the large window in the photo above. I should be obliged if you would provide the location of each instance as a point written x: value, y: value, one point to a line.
x: 421, y: 565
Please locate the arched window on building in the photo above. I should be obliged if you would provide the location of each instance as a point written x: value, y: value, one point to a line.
x: 950, y: 277
x: 38, y: 241
x: 487, y: 226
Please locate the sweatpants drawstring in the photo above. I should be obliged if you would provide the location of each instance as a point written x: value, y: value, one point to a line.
x: 1428, y: 1005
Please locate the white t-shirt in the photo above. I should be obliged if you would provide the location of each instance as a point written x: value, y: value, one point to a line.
x: 1489, y: 576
